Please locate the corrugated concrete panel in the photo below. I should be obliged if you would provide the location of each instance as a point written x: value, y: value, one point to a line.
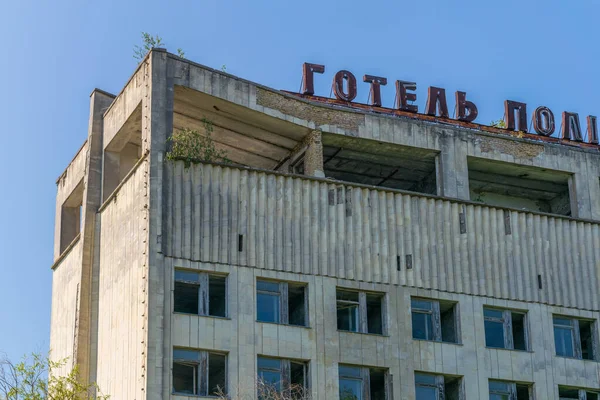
x: 65, y: 288
x: 122, y: 294
x: 309, y: 226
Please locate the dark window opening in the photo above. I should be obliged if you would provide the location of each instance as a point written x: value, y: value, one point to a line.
x: 568, y: 393
x: 360, y: 312
x: 592, y: 395
x: 362, y: 383
x: 199, y: 373
x: 501, y: 390
x: 374, y: 314
x: 200, y: 293
x: 434, y: 320
x: 437, y: 387
x: 575, y: 337
x: 281, y: 376
x: 519, y: 330
x: 297, y: 305
x: 184, y: 378
x: 586, y: 329
x: 217, y: 374
x: 377, y: 386
x: 523, y: 392
x: 505, y: 329
x: 452, y: 388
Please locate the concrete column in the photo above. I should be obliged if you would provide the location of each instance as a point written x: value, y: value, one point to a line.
x: 86, y: 335
x: 313, y: 157
x: 579, y: 193
x: 452, y: 169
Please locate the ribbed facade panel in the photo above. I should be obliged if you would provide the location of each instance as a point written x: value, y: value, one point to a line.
x: 309, y: 226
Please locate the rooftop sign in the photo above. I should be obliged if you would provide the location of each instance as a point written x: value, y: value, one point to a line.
x: 515, y: 113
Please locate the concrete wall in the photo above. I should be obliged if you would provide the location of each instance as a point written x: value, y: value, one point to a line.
x: 321, y: 344
x: 66, y: 279
x: 320, y: 228
x: 122, y: 295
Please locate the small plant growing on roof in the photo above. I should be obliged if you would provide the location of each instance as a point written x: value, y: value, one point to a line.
x: 149, y: 42
x: 498, y: 124
x: 192, y: 146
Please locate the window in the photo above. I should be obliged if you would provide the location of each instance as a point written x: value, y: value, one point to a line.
x: 502, y: 390
x: 363, y: 383
x: 281, y: 376
x: 574, y: 338
x: 438, y: 387
x: 360, y: 311
x: 505, y: 329
x: 199, y: 373
x: 566, y: 393
x: 200, y: 293
x: 281, y: 303
x: 435, y: 320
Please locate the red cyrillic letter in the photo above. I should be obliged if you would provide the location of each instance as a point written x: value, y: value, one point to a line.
x: 402, y: 98
x: 467, y: 110
x: 592, y: 129
x: 509, y: 114
x: 571, y: 130
x: 308, y: 86
x: 376, y: 83
x: 543, y: 121
x: 434, y: 96
x: 338, y: 85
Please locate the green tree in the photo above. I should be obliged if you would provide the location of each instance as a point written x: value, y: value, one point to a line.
x: 36, y: 378
x: 192, y: 146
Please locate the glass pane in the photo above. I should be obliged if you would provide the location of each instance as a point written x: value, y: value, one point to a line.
x: 267, y: 286
x: 187, y: 276
x: 563, y: 340
x: 217, y: 379
x: 426, y: 393
x: 374, y: 314
x: 184, y: 378
x: 345, y: 371
x: 347, y: 296
x: 350, y: 389
x: 496, y: 396
x: 422, y: 326
x: 494, y: 334
x: 518, y: 331
x: 186, y: 298
x: 267, y: 307
x: 425, y: 379
x: 217, y: 296
x: 296, y: 306
x: 421, y: 304
x: 269, y: 363
x: 497, y: 386
x: 271, y: 380
x: 492, y: 313
x: 188, y: 355
x: 562, y: 321
x: 347, y: 317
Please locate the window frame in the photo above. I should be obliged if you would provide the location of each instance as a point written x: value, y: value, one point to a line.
x: 576, y: 337
x: 436, y: 319
x: 363, y: 320
x: 512, y: 389
x: 286, y: 372
x: 507, y: 324
x: 581, y: 393
x: 201, y: 371
x: 440, y: 384
x: 365, y: 379
x: 284, y: 312
x: 203, y: 291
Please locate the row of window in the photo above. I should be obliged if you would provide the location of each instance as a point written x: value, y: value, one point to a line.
x: 205, y: 374
x: 364, y: 312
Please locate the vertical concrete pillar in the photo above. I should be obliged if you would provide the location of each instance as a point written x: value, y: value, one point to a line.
x: 313, y: 157
x: 579, y: 194
x: 86, y: 335
x: 452, y: 169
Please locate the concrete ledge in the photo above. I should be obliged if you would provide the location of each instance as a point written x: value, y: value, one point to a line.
x: 65, y: 253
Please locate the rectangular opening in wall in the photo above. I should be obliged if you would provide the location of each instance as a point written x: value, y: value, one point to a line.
x: 268, y: 299
x: 448, y: 322
x: 347, y: 310
x: 519, y: 330
x: 435, y: 320
x: 452, y: 387
x: 377, y: 386
x: 374, y: 313
x: 217, y: 293
x: 186, y: 293
x: 586, y: 334
x: 217, y: 374
x: 297, y: 304
x: 504, y: 184
x: 376, y: 163
x: 71, y: 217
x: 568, y: 393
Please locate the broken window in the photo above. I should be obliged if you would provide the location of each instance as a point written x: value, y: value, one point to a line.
x: 281, y: 303
x: 200, y: 293
x: 363, y: 383
x: 360, y: 311
x: 438, y: 387
x: 574, y: 338
x: 278, y: 376
x: 567, y: 393
x: 505, y: 329
x: 434, y: 320
x: 502, y: 390
x: 199, y: 373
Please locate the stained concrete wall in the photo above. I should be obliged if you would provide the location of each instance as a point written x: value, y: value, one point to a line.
x: 66, y: 279
x: 325, y: 347
x: 122, y: 295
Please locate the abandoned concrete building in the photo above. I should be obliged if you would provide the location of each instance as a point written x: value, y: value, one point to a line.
x: 348, y: 252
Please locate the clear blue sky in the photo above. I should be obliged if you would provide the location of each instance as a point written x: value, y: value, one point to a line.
x: 55, y: 53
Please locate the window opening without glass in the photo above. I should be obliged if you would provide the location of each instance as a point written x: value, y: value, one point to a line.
x: 199, y: 373
x: 200, y: 293
x: 278, y: 376
x: 575, y: 338
x: 360, y: 311
x: 435, y: 320
x: 364, y: 383
x: 281, y: 303
x: 505, y: 329
x: 438, y: 387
